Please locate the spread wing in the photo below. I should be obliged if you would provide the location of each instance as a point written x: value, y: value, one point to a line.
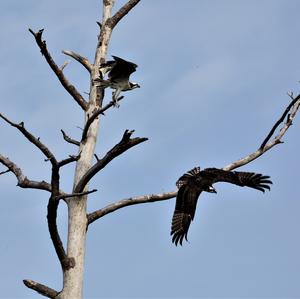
x: 248, y: 179
x: 106, y: 67
x: 121, y: 69
x: 186, y: 202
x: 188, y: 177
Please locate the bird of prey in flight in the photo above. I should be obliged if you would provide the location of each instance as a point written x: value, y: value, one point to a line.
x: 192, y: 183
x: 119, y: 71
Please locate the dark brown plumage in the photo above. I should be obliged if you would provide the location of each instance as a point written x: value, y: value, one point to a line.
x: 192, y: 183
x: 121, y: 69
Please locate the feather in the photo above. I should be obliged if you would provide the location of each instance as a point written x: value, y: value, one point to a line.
x: 193, y: 182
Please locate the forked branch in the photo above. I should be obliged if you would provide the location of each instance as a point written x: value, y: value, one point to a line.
x: 58, y: 72
x: 280, y: 120
x: 23, y: 181
x: 53, y: 188
x: 126, y: 143
x: 289, y: 113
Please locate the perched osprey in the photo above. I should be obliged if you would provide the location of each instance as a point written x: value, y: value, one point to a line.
x: 192, y: 183
x: 119, y: 71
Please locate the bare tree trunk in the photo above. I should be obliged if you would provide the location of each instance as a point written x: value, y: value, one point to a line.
x: 77, y: 224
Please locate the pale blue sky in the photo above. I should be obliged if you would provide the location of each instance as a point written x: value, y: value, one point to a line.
x: 214, y: 77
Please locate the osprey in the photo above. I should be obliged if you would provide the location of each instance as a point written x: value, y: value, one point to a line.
x: 119, y: 71
x: 192, y: 183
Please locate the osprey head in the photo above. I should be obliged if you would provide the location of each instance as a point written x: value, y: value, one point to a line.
x: 134, y: 85
x: 211, y: 189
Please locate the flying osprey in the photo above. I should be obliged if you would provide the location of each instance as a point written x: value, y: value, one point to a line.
x: 192, y: 183
x: 119, y: 71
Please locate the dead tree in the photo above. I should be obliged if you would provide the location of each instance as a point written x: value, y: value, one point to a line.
x: 72, y: 257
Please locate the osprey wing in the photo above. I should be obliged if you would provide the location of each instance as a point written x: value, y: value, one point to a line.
x: 188, y: 177
x: 106, y: 67
x: 186, y: 203
x: 248, y: 179
x: 121, y: 69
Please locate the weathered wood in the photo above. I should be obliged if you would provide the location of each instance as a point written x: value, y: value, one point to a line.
x: 73, y: 278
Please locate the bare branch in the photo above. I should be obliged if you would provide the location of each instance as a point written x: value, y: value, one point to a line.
x: 65, y: 196
x: 5, y: 171
x: 64, y: 65
x: 83, y: 60
x: 124, y: 10
x: 68, y: 139
x: 129, y: 202
x: 95, y: 114
x: 52, y: 217
x: 72, y: 158
x: 125, y: 144
x: 40, y: 288
x: 58, y: 72
x: 281, y: 119
x: 267, y: 144
x: 99, y: 24
x: 290, y: 112
x: 31, y: 138
x: 23, y: 181
x: 66, y: 263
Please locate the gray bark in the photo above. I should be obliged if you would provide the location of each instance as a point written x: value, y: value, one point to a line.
x: 77, y: 222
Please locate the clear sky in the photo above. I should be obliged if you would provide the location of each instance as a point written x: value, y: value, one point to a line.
x: 214, y: 78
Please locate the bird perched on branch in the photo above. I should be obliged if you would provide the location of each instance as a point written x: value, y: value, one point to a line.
x: 119, y: 71
x: 192, y: 183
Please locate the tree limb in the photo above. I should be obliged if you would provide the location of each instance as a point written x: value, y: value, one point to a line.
x: 128, y: 202
x: 23, y: 181
x: 95, y: 114
x: 66, y: 262
x: 64, y: 65
x: 292, y: 108
x: 83, y: 60
x: 31, y: 138
x: 58, y: 72
x: 65, y: 196
x: 66, y: 161
x: 99, y: 24
x: 124, y: 10
x: 40, y: 288
x: 125, y: 144
x: 281, y: 119
x: 68, y: 139
x: 5, y: 171
x: 267, y: 144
